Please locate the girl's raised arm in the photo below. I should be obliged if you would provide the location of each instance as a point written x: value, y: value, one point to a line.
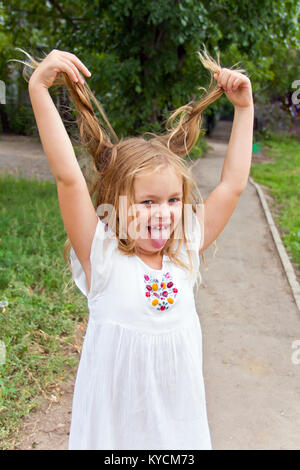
x: 78, y: 213
x: 53, y: 134
x: 221, y: 202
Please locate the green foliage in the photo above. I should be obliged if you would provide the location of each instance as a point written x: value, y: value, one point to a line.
x: 143, y: 54
x: 21, y: 119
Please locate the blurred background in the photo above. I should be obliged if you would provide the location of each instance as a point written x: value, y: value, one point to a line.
x: 143, y: 55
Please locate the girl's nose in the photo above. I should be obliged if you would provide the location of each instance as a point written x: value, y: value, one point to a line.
x: 162, y: 211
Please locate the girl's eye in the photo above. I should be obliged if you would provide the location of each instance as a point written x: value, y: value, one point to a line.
x: 173, y: 198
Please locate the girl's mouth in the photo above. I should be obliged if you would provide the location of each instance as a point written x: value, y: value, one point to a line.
x: 159, y: 231
x: 159, y: 235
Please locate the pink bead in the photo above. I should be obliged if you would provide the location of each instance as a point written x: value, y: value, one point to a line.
x: 146, y: 278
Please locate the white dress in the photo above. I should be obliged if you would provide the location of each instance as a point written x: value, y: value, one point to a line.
x: 139, y: 382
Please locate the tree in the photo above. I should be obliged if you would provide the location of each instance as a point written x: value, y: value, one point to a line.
x: 142, y: 54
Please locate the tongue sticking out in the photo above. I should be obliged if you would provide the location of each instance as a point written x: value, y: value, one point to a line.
x: 157, y: 239
x: 158, y: 243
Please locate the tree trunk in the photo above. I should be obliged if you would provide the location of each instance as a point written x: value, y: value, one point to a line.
x: 4, y: 119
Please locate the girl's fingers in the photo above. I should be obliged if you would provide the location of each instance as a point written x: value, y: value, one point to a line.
x: 75, y: 70
x: 223, y: 78
x: 74, y: 59
x: 230, y: 82
x: 236, y: 83
x: 64, y: 67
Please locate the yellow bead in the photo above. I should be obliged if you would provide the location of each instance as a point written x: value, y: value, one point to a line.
x: 154, y: 302
x: 170, y: 300
x: 164, y: 285
x: 154, y: 286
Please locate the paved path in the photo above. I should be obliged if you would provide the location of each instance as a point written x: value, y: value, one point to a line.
x: 25, y: 156
x: 249, y: 321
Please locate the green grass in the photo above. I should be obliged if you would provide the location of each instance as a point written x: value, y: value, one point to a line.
x: 283, y: 179
x: 37, y: 327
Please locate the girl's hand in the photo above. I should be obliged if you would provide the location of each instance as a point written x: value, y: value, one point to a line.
x: 54, y: 64
x: 237, y: 87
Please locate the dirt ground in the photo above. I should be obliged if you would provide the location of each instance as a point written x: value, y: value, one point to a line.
x: 24, y: 156
x: 248, y: 317
x: 48, y: 427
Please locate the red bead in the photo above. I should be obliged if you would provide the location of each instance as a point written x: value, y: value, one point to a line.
x: 149, y: 287
x: 175, y: 290
x: 170, y: 284
x: 162, y: 308
x: 148, y: 294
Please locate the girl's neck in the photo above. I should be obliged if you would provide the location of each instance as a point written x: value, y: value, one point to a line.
x: 154, y: 261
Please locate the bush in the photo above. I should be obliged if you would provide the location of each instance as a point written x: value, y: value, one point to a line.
x: 21, y: 120
x: 272, y: 118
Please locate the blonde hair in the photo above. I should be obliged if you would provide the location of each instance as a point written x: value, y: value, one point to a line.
x: 116, y: 161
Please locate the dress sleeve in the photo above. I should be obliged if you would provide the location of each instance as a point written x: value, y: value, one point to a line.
x: 103, y: 245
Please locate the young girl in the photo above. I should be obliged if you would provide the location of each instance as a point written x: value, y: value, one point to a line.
x: 139, y: 383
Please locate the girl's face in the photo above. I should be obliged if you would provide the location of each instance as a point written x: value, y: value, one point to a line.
x: 158, y: 203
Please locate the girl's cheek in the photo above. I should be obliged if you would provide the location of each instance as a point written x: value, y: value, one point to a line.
x: 177, y: 213
x: 143, y: 224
